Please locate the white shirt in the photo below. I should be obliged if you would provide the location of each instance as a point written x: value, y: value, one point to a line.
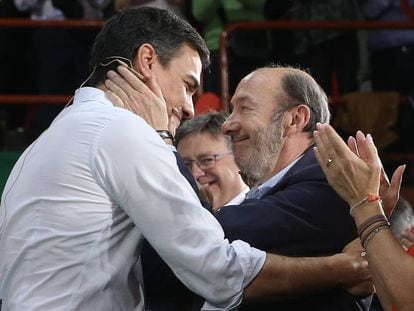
x: 238, y: 198
x: 78, y: 204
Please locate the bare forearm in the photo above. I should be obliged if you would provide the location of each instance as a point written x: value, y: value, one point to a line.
x: 392, y: 268
x: 285, y: 277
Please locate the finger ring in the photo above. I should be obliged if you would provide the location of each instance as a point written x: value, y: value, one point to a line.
x: 329, y: 162
x: 364, y: 254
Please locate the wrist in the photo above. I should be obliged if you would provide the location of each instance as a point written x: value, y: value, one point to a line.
x: 366, y: 210
x: 369, y: 198
x: 166, y: 135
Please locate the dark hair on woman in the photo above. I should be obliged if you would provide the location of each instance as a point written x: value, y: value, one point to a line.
x: 126, y: 31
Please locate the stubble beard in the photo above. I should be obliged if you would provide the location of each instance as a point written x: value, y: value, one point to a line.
x: 261, y: 155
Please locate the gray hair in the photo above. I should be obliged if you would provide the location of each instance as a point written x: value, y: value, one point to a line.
x: 209, y: 122
x: 301, y: 89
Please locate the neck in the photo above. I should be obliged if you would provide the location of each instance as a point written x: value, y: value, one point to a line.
x: 102, y: 87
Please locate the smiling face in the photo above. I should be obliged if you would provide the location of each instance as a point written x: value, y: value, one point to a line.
x: 254, y: 125
x: 178, y: 82
x: 222, y: 182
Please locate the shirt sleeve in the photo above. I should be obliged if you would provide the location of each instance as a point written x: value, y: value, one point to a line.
x: 139, y: 172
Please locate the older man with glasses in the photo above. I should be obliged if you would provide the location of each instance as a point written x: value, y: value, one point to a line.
x: 206, y: 151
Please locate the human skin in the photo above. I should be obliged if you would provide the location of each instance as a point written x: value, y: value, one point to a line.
x: 355, y: 172
x: 220, y: 183
x: 296, y: 276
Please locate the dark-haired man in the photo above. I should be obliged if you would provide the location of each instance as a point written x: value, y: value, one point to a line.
x: 82, y: 197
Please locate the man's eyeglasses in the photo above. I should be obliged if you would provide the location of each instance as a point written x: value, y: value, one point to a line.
x: 205, y: 162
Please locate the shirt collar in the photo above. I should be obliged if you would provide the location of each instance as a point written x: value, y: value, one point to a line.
x: 87, y: 93
x: 258, y: 191
x: 238, y: 198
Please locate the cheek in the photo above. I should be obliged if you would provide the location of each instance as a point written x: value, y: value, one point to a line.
x: 168, y: 91
x: 226, y: 176
x: 175, y: 96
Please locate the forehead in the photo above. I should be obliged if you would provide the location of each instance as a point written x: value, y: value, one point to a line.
x: 203, y: 142
x: 260, y: 87
x: 187, y: 62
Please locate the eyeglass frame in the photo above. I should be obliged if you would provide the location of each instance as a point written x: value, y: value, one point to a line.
x: 189, y: 163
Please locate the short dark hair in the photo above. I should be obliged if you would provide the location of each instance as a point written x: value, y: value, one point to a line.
x: 126, y: 31
x: 209, y: 122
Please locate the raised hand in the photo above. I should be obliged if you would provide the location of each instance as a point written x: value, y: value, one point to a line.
x: 352, y: 177
x: 389, y: 192
x: 126, y: 89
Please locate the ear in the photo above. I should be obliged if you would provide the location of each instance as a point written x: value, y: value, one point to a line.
x: 145, y: 59
x: 297, y: 119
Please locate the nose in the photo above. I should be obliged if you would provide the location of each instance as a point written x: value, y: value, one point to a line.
x: 196, y: 171
x: 230, y: 125
x: 188, y: 109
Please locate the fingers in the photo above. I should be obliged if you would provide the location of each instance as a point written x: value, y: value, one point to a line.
x: 133, y: 78
x: 132, y: 83
x: 361, y: 142
x: 396, y: 178
x: 367, y: 149
x: 118, y: 86
x: 115, y: 99
x: 126, y: 84
x: 353, y: 145
x: 394, y: 189
x: 385, y: 181
x: 329, y: 144
x: 321, y: 151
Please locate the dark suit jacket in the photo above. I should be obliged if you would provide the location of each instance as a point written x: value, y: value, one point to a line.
x: 300, y: 216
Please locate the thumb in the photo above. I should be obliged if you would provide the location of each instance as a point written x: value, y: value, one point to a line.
x: 395, y: 186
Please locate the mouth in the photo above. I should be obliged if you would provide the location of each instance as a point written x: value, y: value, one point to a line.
x: 206, y: 181
x: 240, y: 138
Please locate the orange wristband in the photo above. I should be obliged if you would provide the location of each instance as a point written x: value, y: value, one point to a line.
x: 369, y: 198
